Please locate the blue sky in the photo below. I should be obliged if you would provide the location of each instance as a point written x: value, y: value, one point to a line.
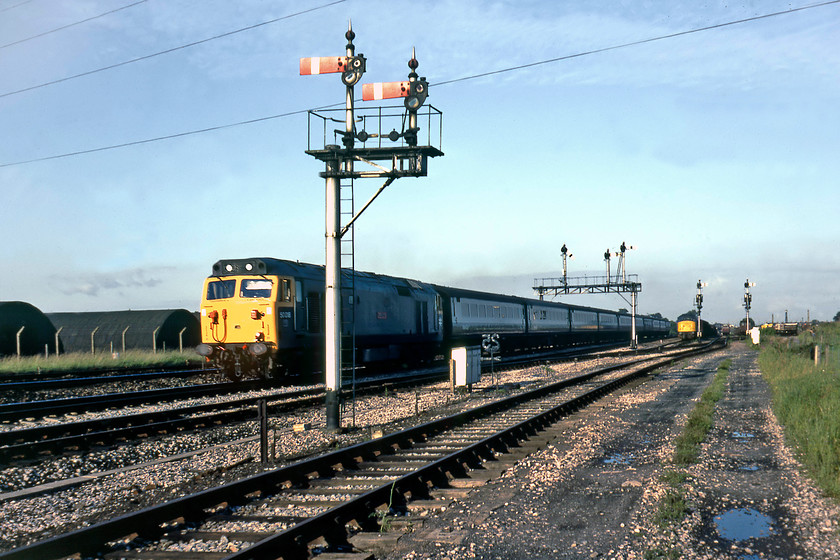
x: 715, y: 153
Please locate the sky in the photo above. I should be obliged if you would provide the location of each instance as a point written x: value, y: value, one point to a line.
x: 713, y: 153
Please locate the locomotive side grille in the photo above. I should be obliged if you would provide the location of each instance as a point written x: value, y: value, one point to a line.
x: 313, y: 312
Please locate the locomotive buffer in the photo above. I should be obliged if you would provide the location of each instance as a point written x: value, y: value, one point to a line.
x: 400, y: 154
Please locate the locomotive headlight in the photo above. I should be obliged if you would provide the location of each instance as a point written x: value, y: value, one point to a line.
x: 259, y: 349
x: 229, y: 267
x: 249, y: 267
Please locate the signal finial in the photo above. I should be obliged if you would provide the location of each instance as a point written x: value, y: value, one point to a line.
x: 350, y: 35
x: 413, y: 64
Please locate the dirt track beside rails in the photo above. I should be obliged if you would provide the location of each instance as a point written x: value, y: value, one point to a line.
x: 594, y: 491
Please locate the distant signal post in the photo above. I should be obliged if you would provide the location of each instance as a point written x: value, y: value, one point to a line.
x: 406, y: 160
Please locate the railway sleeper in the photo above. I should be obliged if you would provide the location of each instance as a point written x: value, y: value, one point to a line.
x: 244, y: 536
x: 329, y: 490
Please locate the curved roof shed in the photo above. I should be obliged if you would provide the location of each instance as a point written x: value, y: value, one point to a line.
x: 38, y: 332
x: 109, y: 331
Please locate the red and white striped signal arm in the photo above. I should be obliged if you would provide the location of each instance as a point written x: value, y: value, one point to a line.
x: 322, y: 65
x: 384, y: 90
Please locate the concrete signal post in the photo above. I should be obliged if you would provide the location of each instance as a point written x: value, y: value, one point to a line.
x: 401, y: 151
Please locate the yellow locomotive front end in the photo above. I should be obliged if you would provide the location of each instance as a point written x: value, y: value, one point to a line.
x: 687, y: 329
x: 239, y: 322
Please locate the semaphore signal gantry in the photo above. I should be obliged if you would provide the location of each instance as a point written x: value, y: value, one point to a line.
x: 620, y: 284
x: 400, y: 155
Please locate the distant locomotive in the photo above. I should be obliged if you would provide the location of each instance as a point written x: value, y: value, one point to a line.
x: 265, y: 317
x: 687, y: 327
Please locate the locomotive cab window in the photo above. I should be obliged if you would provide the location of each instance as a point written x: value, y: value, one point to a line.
x: 256, y: 288
x: 285, y: 290
x: 221, y: 289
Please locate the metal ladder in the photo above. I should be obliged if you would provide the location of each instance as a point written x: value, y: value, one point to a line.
x: 348, y: 294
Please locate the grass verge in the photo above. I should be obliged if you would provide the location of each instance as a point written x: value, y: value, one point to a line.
x: 82, y: 362
x: 806, y: 399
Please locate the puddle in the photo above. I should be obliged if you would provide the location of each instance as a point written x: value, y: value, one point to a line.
x: 743, y: 524
x: 749, y: 468
x: 619, y: 459
x: 742, y: 435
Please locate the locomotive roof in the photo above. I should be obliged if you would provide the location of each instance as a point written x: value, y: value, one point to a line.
x: 690, y: 316
x: 281, y: 267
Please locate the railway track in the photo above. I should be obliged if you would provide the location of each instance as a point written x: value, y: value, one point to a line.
x: 42, y: 442
x: 63, y: 380
x: 50, y: 440
x: 11, y: 412
x: 339, y: 499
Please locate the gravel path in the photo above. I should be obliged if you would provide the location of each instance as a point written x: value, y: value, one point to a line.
x: 594, y: 492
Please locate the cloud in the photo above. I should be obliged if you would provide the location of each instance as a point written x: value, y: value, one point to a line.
x: 101, y: 284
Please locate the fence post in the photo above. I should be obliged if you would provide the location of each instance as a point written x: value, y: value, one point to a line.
x: 125, y: 330
x: 57, y: 352
x: 181, y: 340
x: 17, y: 340
x: 262, y: 415
x: 92, y: 349
x: 154, y: 341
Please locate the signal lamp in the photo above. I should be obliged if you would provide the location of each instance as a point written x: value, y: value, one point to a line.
x: 417, y: 92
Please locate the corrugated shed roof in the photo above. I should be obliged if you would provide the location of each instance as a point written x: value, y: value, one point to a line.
x: 38, y: 330
x: 141, y: 329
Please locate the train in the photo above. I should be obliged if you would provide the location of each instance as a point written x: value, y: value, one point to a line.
x: 264, y: 317
x: 687, y: 327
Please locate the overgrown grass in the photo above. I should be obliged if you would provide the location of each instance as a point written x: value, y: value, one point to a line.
x: 700, y: 420
x: 81, y: 362
x: 806, y: 399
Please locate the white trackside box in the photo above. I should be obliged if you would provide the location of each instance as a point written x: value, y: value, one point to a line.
x: 465, y: 366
